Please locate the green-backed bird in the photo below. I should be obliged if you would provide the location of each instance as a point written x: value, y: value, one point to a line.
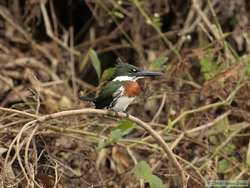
x: 122, y: 89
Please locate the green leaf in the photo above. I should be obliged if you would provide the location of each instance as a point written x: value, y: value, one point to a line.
x: 155, y: 182
x: 107, y: 74
x: 157, y: 21
x: 95, y: 62
x: 142, y: 171
x: 248, y: 69
x: 116, y: 135
x: 159, y: 62
x: 101, y: 144
x: 209, y: 67
x: 169, y: 124
x: 248, y: 155
x: 222, y: 125
x: 223, y: 165
x: 125, y: 126
x: 229, y: 149
x: 117, y: 14
x: 213, y: 139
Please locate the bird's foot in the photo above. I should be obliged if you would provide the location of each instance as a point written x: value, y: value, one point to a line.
x: 126, y: 112
x: 112, y: 112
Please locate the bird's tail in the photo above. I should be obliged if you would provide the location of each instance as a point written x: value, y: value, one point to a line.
x: 90, y: 99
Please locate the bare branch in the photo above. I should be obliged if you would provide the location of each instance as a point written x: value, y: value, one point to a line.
x: 136, y: 120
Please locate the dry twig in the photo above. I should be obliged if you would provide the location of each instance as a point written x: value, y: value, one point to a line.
x: 139, y: 122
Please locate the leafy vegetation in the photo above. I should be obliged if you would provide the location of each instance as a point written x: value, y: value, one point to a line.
x: 96, y: 63
x: 143, y: 171
x: 122, y: 129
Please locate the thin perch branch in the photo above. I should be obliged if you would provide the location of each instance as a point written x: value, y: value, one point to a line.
x: 139, y: 122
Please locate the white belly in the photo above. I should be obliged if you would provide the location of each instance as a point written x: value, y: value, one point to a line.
x: 122, y: 103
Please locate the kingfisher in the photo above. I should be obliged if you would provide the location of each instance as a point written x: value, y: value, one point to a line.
x: 122, y: 89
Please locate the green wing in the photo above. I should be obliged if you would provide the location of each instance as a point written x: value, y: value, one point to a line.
x: 106, y: 96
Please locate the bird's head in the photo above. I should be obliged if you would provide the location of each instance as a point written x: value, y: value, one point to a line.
x: 125, y: 71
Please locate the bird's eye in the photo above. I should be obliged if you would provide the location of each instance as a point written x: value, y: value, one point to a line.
x: 131, y: 71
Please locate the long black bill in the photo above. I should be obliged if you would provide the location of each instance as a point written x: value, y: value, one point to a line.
x: 147, y: 73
